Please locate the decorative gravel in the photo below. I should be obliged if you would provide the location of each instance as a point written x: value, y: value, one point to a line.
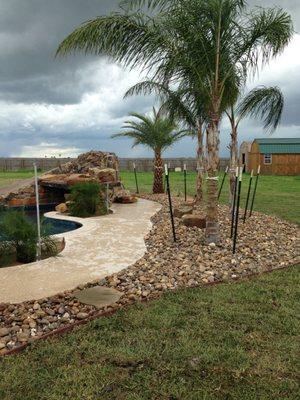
x: 265, y: 243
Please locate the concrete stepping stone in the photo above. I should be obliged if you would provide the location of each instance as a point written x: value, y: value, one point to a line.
x: 98, y: 296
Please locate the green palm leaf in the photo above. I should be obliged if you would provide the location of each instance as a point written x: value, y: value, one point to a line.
x: 265, y: 103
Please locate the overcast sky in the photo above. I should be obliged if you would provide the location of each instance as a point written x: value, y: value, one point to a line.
x: 70, y: 105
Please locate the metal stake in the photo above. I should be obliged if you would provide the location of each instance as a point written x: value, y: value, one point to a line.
x: 38, y: 219
x: 170, y: 201
x: 184, y: 171
x: 248, y: 196
x: 254, y: 192
x: 136, y: 181
x: 237, y: 212
x: 234, y: 200
x: 165, y: 182
x: 107, y: 201
x: 222, y: 184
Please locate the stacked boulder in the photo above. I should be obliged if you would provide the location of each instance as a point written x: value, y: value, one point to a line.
x: 55, y: 185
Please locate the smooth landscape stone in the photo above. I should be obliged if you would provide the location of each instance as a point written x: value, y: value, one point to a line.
x: 98, y: 296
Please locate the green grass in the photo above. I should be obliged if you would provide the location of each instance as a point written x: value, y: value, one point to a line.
x: 277, y: 195
x: 6, y: 178
x: 231, y: 341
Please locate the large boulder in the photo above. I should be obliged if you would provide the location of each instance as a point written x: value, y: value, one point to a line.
x: 61, y: 208
x: 125, y: 197
x: 194, y: 220
x: 104, y: 175
x: 183, y: 210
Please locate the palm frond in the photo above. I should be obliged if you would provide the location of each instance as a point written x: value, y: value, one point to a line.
x: 149, y: 4
x: 157, y: 132
x: 265, y: 103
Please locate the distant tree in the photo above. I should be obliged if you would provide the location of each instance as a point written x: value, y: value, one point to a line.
x: 157, y: 132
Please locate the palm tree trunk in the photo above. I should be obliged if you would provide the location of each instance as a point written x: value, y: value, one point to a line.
x: 158, y: 185
x: 212, y: 219
x: 233, y: 160
x: 200, y: 163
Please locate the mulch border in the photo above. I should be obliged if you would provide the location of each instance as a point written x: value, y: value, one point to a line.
x: 99, y: 314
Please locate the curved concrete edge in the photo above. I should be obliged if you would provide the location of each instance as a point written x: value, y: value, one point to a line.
x: 102, y: 246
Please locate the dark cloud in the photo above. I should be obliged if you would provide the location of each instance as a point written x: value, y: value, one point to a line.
x: 76, y: 103
x: 30, y: 32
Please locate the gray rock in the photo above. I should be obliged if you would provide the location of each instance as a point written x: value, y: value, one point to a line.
x: 98, y: 296
x: 82, y: 315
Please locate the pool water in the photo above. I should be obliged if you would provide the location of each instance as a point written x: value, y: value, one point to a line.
x: 52, y: 226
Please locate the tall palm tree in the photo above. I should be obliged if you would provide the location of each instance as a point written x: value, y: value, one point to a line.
x: 158, y: 132
x: 207, y: 43
x: 265, y: 103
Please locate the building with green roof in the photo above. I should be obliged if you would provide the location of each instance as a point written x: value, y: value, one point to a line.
x: 275, y: 156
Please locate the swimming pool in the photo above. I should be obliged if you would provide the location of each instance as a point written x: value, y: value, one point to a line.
x: 52, y: 226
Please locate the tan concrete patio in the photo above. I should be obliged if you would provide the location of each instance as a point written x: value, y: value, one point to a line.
x: 101, y: 247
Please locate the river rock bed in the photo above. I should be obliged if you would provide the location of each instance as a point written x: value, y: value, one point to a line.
x: 265, y: 243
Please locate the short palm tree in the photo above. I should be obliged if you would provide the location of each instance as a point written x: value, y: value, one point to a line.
x: 264, y: 103
x: 157, y: 132
x: 186, y: 105
x: 209, y: 44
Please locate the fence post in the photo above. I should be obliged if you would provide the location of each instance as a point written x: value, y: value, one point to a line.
x: 184, y: 174
x: 170, y: 201
x: 255, y: 188
x: 234, y: 200
x: 237, y: 211
x: 136, y: 181
x: 248, y: 196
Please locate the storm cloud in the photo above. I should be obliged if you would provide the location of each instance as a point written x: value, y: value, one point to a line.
x: 51, y: 106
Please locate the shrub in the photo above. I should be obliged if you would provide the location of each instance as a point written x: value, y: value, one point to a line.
x: 21, y: 234
x: 17, y: 229
x: 87, y: 199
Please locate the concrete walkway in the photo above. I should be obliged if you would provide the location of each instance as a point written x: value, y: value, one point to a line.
x: 102, y: 246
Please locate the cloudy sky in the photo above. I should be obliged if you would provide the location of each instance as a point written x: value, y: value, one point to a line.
x: 66, y: 106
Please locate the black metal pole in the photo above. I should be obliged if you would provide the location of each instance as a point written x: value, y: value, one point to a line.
x: 248, y: 196
x: 184, y: 172
x: 222, y: 184
x: 166, y: 186
x: 170, y: 202
x: 254, y: 192
x: 234, y: 201
x: 237, y: 213
x: 136, y: 180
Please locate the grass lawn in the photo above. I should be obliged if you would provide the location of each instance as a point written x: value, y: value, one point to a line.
x: 6, y: 178
x: 278, y: 195
x: 231, y: 341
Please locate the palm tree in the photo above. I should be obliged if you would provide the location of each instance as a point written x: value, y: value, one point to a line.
x: 184, y: 104
x: 157, y: 132
x: 265, y: 103
x: 207, y: 43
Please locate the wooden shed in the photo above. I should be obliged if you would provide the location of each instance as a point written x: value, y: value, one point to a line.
x: 275, y: 156
x: 245, y: 150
